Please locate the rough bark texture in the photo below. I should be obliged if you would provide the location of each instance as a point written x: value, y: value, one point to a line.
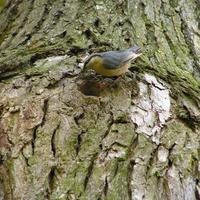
x: 63, y: 137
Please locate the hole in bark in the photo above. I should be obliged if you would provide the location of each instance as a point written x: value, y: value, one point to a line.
x: 53, y: 148
x: 197, y: 194
x: 127, y: 40
x: 88, y: 33
x: 94, y: 85
x: 101, y: 146
x: 62, y: 35
x: 106, y: 187
x: 51, y: 178
x: 33, y: 140
x: 79, y: 140
x: 45, y: 107
x: 89, y: 172
x: 129, y: 177
x: 185, y: 116
x: 14, y: 34
x: 116, y: 168
x: 1, y: 159
x: 141, y: 4
x: 75, y: 50
x: 90, y: 88
x: 78, y: 117
x: 96, y: 22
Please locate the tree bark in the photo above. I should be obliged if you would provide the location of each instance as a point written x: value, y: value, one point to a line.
x: 63, y: 136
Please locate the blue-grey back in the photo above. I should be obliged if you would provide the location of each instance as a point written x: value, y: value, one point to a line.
x: 116, y: 59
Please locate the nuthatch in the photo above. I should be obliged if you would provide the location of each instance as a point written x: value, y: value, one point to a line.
x: 112, y: 63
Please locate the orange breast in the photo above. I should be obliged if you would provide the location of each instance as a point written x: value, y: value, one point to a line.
x: 111, y: 72
x: 96, y: 63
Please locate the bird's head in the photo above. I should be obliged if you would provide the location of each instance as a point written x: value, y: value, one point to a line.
x: 137, y: 51
x: 93, y: 60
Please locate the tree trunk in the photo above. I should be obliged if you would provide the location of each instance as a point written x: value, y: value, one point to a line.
x: 63, y: 136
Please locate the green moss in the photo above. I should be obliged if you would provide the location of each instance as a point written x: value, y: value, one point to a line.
x: 184, y: 150
x: 118, y: 184
x: 174, y: 3
x: 2, y: 3
x: 182, y: 113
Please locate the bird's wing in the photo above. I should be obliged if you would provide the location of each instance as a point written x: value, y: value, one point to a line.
x: 116, y: 59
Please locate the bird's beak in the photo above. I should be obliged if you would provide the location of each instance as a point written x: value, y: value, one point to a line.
x: 137, y: 51
x: 137, y: 55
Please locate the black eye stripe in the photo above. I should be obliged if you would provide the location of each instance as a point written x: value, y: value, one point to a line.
x: 90, y: 57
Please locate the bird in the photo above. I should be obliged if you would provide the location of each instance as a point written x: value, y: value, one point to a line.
x: 112, y: 63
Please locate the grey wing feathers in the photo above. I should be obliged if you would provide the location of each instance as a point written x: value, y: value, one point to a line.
x: 115, y: 59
